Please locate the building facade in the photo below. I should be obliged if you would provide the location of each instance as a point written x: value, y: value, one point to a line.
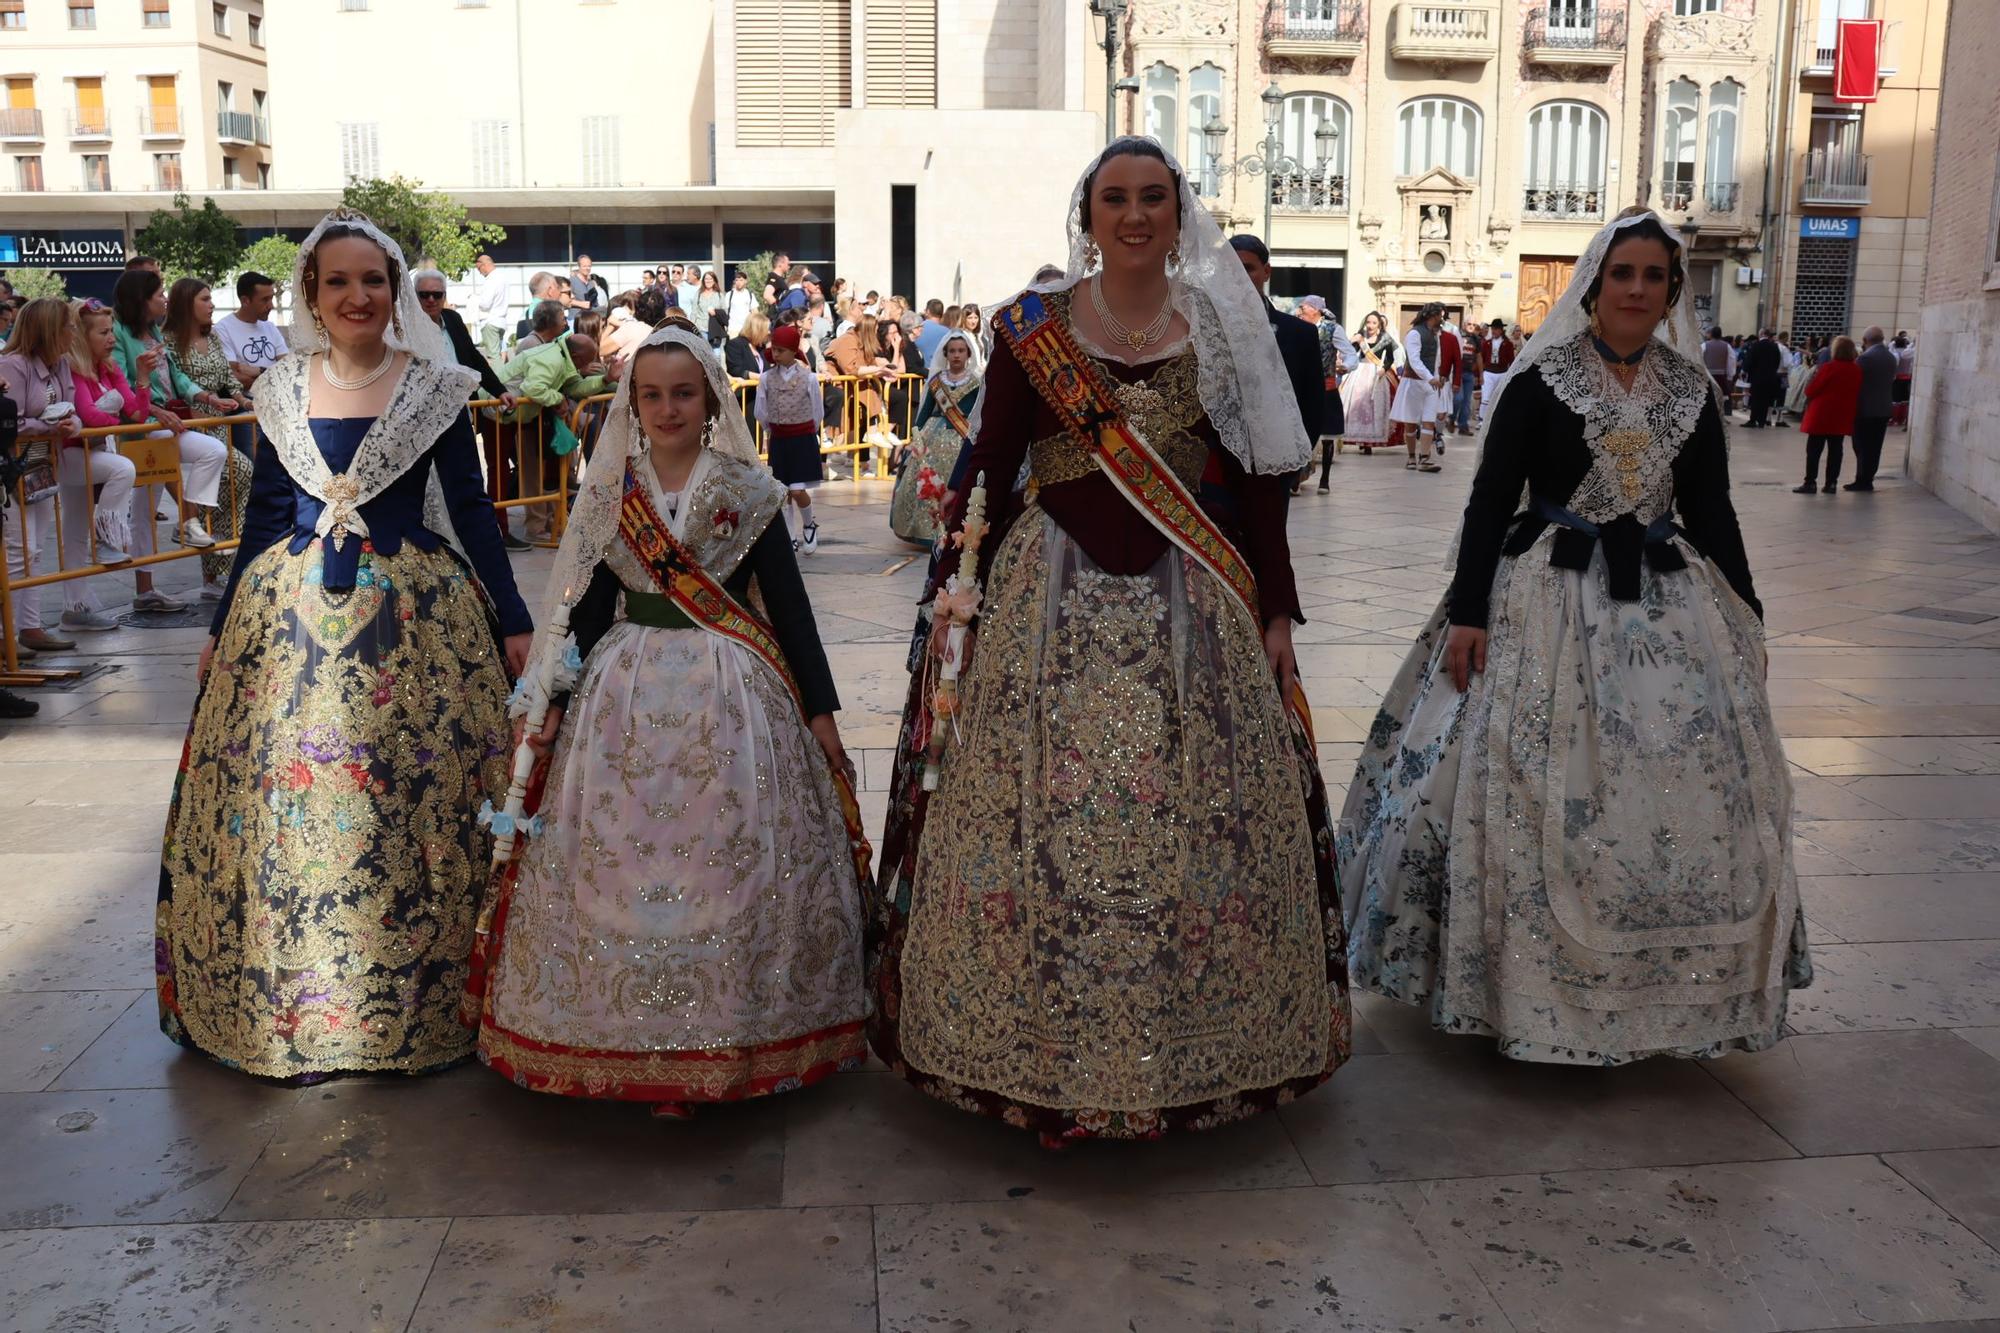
x: 1955, y: 397
x: 921, y: 146
x: 1465, y: 151
x: 119, y: 97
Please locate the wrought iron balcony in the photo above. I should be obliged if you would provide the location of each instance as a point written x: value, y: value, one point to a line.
x: 1838, y: 178
x: 239, y: 126
x: 1676, y: 196
x: 1575, y: 33
x: 1315, y: 29
x: 89, y: 124
x: 1308, y: 192
x: 22, y: 122
x: 1721, y: 196
x: 161, y: 122
x: 1444, y: 34
x: 1563, y: 203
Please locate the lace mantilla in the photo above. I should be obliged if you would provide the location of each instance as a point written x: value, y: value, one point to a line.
x: 1633, y: 436
x: 421, y: 408
x: 724, y: 512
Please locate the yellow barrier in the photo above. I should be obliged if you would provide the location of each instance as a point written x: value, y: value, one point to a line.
x: 855, y: 428
x: 157, y: 463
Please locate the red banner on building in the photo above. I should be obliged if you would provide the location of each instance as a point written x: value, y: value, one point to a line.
x: 1857, y: 62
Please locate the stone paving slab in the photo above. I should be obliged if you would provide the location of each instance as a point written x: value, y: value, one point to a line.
x: 1846, y: 1178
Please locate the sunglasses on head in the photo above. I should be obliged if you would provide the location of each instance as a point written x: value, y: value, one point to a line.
x: 429, y: 296
x: 91, y: 305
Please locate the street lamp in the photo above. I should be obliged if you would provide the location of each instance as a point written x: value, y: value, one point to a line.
x: 1271, y: 161
x: 1112, y: 12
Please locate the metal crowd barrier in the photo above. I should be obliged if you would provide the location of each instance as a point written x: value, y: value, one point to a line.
x: 157, y: 463
x: 854, y: 427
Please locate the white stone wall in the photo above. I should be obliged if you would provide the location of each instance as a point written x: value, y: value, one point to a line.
x: 989, y: 54
x: 1955, y: 400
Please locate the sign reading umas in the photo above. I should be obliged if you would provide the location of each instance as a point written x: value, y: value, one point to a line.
x: 1835, y: 228
x: 60, y: 249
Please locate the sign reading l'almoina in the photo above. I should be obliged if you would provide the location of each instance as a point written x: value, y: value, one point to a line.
x: 29, y: 249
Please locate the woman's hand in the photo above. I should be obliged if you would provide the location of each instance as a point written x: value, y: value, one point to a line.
x: 207, y: 652
x: 543, y: 739
x: 1284, y: 662
x: 149, y: 361
x: 69, y: 428
x: 168, y: 419
x: 508, y: 401
x: 1464, y: 655
x: 827, y: 733
x: 517, y: 646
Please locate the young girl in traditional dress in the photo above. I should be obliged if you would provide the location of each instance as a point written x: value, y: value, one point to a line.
x: 685, y: 926
x: 792, y: 410
x: 943, y: 429
x: 1369, y: 389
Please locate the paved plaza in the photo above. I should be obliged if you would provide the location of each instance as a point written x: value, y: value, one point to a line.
x: 1848, y: 1178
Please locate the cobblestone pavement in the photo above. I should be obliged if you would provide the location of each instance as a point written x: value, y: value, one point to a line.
x: 1849, y: 1177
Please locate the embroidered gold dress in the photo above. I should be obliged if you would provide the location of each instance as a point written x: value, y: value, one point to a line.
x: 1117, y: 916
x: 1587, y: 855
x: 323, y: 864
x: 687, y: 925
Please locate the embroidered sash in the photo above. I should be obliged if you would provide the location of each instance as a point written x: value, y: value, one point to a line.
x: 683, y: 581
x: 955, y: 415
x: 1077, y: 388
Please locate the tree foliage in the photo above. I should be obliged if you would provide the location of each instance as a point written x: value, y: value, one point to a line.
x: 273, y: 256
x: 758, y: 270
x: 32, y: 284
x: 191, y: 242
x: 430, y: 225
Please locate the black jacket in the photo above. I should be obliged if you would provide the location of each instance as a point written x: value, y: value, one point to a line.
x: 1298, y: 344
x: 468, y: 354
x: 1761, y: 360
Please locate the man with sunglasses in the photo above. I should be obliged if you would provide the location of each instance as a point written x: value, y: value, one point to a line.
x: 430, y: 285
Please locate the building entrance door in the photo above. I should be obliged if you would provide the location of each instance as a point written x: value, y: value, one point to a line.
x: 1543, y: 279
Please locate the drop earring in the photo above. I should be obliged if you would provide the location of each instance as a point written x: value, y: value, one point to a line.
x: 1596, y: 328
x: 319, y: 325
x: 708, y: 433
x: 1091, y: 254
x: 1174, y: 257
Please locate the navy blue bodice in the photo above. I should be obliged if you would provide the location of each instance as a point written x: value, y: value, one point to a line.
x: 281, y: 510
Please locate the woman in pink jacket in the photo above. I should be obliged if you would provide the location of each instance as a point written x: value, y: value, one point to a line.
x: 105, y: 398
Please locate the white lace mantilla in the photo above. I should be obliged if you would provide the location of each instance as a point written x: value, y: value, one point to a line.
x: 426, y: 398
x: 1633, y: 435
x: 725, y: 509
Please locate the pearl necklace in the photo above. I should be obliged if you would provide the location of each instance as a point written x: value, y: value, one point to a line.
x: 1136, y: 339
x: 351, y: 386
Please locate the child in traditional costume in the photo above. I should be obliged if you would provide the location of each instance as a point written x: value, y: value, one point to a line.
x: 792, y: 409
x: 943, y: 430
x: 686, y: 922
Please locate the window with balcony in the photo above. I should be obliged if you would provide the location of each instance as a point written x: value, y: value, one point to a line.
x: 221, y: 20
x: 360, y: 151
x: 1565, y: 165
x: 83, y: 13
x: 256, y: 28
x: 1204, y: 104
x: 1438, y: 132
x: 1677, y: 145
x: 1316, y: 130
x: 161, y: 116
x: 97, y: 172
x: 600, y: 151
x: 1836, y: 168
x: 166, y: 171
x: 1826, y: 33
x: 1719, y: 186
x: 1162, y: 91
x: 20, y: 118
x: 155, y: 14
x: 89, y: 120
x: 13, y: 13
x: 28, y: 173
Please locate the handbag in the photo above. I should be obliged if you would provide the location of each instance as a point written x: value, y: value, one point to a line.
x: 562, y: 441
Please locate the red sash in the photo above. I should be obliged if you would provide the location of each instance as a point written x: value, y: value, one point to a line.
x: 681, y: 579
x: 955, y: 415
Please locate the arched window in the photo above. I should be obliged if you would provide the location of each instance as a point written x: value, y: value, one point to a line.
x: 1163, y: 102
x: 1204, y: 104
x: 1718, y: 177
x: 1565, y: 178
x: 1677, y: 131
x: 1322, y: 185
x: 1438, y: 132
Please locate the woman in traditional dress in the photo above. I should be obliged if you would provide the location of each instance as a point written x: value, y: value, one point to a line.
x: 686, y: 923
x: 1117, y: 915
x: 324, y: 861
x: 1369, y: 389
x: 1571, y: 826
x: 943, y: 429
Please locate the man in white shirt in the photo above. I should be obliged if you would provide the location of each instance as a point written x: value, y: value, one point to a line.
x: 249, y: 339
x: 490, y: 298
x: 741, y: 300
x: 689, y: 289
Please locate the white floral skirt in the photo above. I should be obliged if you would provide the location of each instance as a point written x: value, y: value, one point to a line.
x: 1587, y: 855
x: 688, y: 924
